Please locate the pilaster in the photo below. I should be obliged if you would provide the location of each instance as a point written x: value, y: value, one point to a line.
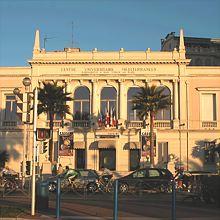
x: 122, y: 101
x: 175, y: 105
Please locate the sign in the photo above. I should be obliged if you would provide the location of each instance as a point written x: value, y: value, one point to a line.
x: 65, y: 143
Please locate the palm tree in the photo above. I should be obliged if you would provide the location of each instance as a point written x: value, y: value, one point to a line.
x: 147, y: 102
x: 4, y: 157
x: 52, y: 101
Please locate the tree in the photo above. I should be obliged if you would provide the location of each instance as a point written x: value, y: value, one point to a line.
x: 147, y: 102
x: 4, y: 157
x: 52, y: 101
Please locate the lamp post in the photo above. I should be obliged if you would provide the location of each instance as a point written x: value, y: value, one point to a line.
x: 34, y: 152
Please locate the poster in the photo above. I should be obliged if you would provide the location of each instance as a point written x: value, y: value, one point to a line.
x: 66, y: 143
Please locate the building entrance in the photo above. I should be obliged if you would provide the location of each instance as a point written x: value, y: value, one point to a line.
x: 80, y: 158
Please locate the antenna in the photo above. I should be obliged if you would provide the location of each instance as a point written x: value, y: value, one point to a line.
x: 72, y: 36
x: 45, y: 40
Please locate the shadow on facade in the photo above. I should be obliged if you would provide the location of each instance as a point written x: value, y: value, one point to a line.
x: 11, y: 138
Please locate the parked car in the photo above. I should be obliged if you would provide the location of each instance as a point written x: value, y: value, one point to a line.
x: 146, y: 179
x: 74, y: 178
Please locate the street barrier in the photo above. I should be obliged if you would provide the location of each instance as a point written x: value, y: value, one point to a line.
x: 173, y: 200
x: 58, y: 199
x: 116, y: 200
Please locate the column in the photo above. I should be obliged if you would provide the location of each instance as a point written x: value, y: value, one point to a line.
x: 122, y: 101
x: 176, y: 104
x: 182, y: 101
x: 95, y: 98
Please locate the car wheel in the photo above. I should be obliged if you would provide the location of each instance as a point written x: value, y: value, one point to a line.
x: 92, y: 187
x: 52, y: 187
x: 123, y: 187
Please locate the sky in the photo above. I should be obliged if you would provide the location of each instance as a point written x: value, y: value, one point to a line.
x: 102, y: 24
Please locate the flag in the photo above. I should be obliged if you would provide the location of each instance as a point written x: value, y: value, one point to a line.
x: 107, y: 118
x: 99, y: 119
x: 111, y: 117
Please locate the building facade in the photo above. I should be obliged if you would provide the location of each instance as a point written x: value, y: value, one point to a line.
x: 201, y: 51
x: 103, y: 130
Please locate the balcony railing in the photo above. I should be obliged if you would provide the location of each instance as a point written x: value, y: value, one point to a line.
x: 79, y: 123
x: 209, y: 124
x: 11, y: 124
x: 162, y: 124
x: 55, y: 124
x: 157, y: 124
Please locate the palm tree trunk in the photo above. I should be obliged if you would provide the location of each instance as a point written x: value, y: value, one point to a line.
x: 152, y: 139
x: 51, y: 148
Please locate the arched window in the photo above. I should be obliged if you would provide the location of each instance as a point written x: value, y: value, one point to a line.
x: 132, y: 115
x: 81, y: 110
x: 164, y: 114
x: 108, y: 101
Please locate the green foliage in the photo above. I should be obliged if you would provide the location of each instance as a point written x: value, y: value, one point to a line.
x: 151, y: 99
x: 52, y: 99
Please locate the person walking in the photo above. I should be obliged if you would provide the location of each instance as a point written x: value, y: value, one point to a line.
x: 60, y: 169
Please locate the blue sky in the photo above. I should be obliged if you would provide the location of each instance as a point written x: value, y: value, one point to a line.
x: 104, y: 24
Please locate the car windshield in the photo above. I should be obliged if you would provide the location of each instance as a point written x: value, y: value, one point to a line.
x: 88, y: 173
x: 139, y: 174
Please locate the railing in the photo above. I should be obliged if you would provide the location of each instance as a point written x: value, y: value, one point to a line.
x: 209, y: 124
x: 134, y: 124
x: 11, y: 124
x: 55, y: 124
x: 157, y: 124
x: 162, y: 124
x: 80, y: 123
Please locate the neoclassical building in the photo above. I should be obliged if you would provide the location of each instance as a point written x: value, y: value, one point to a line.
x: 103, y: 130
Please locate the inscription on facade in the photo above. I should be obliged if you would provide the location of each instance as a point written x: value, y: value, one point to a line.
x: 68, y: 69
x: 109, y: 70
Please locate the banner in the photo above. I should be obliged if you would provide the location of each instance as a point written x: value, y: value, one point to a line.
x: 65, y: 143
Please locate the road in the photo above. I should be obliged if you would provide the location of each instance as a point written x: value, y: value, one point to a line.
x: 147, y: 206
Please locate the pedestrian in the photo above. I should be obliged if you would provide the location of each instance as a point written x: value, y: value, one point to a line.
x: 60, y: 169
x: 54, y: 168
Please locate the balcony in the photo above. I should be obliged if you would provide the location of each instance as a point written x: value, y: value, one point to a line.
x: 209, y: 124
x: 157, y: 124
x: 81, y: 123
x: 11, y: 125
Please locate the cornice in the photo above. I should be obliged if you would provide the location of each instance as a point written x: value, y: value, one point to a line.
x: 105, y: 62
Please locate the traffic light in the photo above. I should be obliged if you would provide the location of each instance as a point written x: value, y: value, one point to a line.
x: 28, y: 167
x: 23, y: 108
x: 43, y: 134
x: 44, y: 147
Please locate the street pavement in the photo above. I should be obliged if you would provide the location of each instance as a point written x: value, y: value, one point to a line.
x: 131, y: 207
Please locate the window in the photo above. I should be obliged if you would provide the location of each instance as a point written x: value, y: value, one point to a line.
x: 208, y: 107
x: 164, y: 114
x: 108, y: 101
x: 163, y: 152
x: 132, y: 114
x: 139, y: 174
x: 154, y: 173
x: 10, y: 108
x: 107, y: 159
x: 81, y: 103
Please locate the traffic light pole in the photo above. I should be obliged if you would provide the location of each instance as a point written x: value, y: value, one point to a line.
x: 34, y: 153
